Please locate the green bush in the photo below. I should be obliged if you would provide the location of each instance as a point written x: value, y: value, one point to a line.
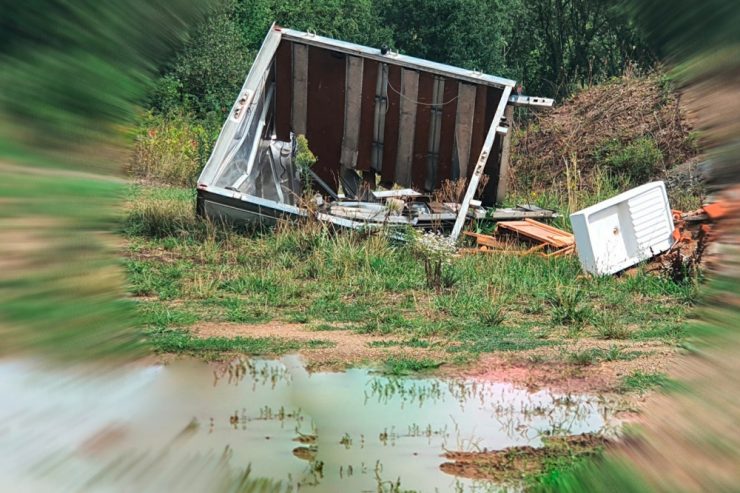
x: 638, y: 160
x: 212, y: 66
x: 166, y: 96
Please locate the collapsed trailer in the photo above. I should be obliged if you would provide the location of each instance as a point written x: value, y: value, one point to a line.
x: 376, y: 120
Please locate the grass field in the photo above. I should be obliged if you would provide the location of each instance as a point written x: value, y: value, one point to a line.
x: 184, y: 272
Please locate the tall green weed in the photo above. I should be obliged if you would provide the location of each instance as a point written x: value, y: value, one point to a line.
x: 171, y: 149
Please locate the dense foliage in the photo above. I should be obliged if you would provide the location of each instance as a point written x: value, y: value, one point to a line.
x: 551, y: 46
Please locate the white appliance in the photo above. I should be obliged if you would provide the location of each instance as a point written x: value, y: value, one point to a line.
x: 624, y: 230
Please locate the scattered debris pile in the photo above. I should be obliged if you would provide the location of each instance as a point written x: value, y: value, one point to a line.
x: 695, y: 232
x: 373, y: 118
x: 544, y: 234
x: 690, y: 236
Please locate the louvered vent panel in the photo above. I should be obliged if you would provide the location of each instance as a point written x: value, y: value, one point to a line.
x: 648, y: 218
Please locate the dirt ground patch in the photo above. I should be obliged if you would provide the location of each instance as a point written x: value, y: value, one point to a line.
x: 546, y: 367
x: 514, y: 463
x: 349, y: 349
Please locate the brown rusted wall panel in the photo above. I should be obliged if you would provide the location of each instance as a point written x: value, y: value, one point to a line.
x: 449, y: 114
x: 494, y: 158
x: 352, y: 111
x: 299, y: 110
x: 325, y: 118
x: 365, y: 146
x: 390, y: 146
x: 326, y: 107
x: 421, y: 136
x: 283, y: 90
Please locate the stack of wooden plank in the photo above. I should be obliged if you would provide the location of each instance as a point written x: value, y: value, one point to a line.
x: 548, y: 240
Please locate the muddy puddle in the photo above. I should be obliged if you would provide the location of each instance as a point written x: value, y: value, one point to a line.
x: 262, y: 425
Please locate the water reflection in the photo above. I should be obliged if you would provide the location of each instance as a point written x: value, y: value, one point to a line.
x: 257, y: 425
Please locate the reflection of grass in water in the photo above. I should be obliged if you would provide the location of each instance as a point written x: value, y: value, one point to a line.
x: 262, y: 372
x: 409, y: 391
x: 415, y: 430
x: 520, y: 413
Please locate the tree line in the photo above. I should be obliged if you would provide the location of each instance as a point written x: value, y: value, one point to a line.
x: 552, y: 47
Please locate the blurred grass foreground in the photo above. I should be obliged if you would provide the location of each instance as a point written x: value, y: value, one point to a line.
x: 70, y: 76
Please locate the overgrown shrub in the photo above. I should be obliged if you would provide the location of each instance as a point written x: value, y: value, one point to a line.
x: 638, y: 160
x: 212, y: 66
x: 304, y: 160
x: 686, y: 269
x: 629, y: 125
x: 171, y: 149
x: 166, y: 96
